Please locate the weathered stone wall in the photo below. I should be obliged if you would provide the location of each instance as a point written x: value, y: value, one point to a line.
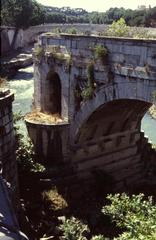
x: 7, y: 139
x: 50, y: 141
x: 115, y: 156
x: 9, y: 205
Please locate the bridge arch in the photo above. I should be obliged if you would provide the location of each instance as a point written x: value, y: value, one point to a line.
x: 107, y: 97
x: 116, y: 116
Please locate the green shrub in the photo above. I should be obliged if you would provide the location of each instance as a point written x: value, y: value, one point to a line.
x: 154, y: 96
x: 139, y: 33
x: 101, y: 53
x: 57, y: 30
x: 39, y: 52
x: 134, y: 214
x: 88, y: 91
x: 118, y: 29
x: 24, y: 150
x: 73, y: 229
x: 72, y: 31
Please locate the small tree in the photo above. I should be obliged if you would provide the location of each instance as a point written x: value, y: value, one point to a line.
x: 118, y: 29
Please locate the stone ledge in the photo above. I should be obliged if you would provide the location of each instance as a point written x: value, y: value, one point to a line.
x: 6, y: 97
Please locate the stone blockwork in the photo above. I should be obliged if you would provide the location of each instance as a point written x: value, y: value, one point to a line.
x: 7, y: 139
x: 9, y: 199
x: 102, y: 100
x: 50, y: 141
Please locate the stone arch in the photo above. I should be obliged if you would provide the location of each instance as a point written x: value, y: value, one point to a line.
x: 109, y: 143
x: 103, y: 96
x: 113, y: 117
x: 52, y: 100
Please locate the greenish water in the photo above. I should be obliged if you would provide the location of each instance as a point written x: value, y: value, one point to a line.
x: 149, y: 127
x: 22, y: 85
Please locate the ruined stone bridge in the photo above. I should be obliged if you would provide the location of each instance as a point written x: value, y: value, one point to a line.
x: 101, y: 87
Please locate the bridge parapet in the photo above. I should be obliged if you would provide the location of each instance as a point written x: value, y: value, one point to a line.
x: 130, y: 52
x: 128, y: 60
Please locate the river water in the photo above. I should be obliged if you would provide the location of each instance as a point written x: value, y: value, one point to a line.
x: 22, y: 85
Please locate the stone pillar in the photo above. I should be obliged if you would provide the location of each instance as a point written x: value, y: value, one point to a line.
x: 7, y: 139
x: 51, y: 142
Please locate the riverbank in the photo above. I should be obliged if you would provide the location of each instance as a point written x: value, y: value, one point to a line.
x: 15, y: 60
x: 152, y: 111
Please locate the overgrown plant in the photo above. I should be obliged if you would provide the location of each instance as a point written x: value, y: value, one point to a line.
x: 55, y: 199
x: 154, y: 96
x: 88, y: 91
x: 118, y: 29
x: 140, y: 33
x: 39, y: 52
x: 56, y: 53
x: 24, y: 150
x: 134, y: 214
x: 57, y: 30
x: 72, y: 30
x: 101, y: 53
x: 73, y: 229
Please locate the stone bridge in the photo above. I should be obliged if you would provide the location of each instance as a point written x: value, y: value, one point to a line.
x: 31, y: 34
x: 101, y: 88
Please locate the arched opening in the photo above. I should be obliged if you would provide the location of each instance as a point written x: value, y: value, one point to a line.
x: 113, y: 117
x: 52, y: 99
x: 110, y: 146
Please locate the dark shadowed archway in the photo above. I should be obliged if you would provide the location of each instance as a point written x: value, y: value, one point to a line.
x: 52, y: 100
x: 109, y: 144
x: 113, y: 117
